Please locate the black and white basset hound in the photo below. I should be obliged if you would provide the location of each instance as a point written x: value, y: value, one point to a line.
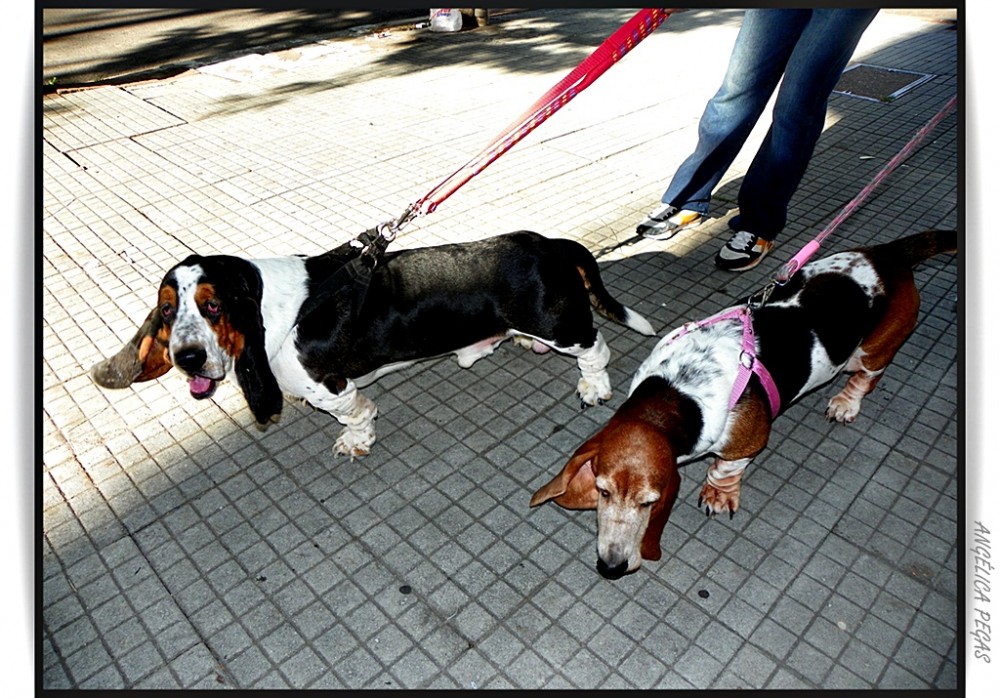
x: 849, y: 312
x: 276, y: 326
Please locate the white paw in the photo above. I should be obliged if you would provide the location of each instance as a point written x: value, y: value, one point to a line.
x: 594, y: 391
x: 352, y: 444
x: 717, y: 501
x: 843, y: 409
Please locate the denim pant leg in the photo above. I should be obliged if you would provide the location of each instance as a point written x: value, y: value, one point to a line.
x: 765, y: 41
x: 823, y: 49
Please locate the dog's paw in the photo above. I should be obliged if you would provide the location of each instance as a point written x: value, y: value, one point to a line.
x: 351, y: 452
x: 843, y: 409
x: 718, y: 501
x: 593, y: 393
x: 349, y: 444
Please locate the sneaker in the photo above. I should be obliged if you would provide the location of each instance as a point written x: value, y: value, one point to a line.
x: 743, y: 251
x: 667, y: 221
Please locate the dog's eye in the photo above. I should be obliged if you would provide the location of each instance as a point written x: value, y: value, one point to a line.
x: 646, y: 505
x: 213, y: 307
x: 604, y: 493
x: 167, y: 312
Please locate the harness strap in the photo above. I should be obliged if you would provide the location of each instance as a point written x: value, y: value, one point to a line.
x: 749, y: 364
x: 369, y: 248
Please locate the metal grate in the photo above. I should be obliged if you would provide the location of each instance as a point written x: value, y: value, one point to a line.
x: 877, y: 83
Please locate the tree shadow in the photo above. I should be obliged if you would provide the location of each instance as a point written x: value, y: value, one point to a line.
x: 510, y: 43
x: 180, y: 39
x: 175, y: 50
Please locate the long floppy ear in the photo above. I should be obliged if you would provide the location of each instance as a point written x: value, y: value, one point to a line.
x: 573, y: 487
x: 143, y: 358
x: 650, y: 546
x: 253, y: 370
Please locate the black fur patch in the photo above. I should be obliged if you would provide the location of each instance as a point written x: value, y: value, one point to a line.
x: 833, y: 309
x: 432, y: 301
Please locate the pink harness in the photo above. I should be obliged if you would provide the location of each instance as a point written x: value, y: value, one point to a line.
x: 748, y: 357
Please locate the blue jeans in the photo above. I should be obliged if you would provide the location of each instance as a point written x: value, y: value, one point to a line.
x: 810, y: 49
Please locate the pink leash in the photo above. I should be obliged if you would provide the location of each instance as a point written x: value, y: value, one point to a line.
x: 612, y: 50
x: 748, y: 359
x: 799, y: 260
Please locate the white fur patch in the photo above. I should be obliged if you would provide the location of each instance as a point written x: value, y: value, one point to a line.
x: 191, y: 329
x: 285, y: 290
x: 471, y: 354
x: 620, y: 527
x: 638, y: 323
x: 854, y: 265
x: 703, y: 365
x: 594, y: 385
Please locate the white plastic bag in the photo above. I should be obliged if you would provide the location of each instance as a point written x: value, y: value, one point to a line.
x: 446, y: 20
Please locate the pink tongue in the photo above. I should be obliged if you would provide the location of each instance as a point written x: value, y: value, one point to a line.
x: 200, y: 385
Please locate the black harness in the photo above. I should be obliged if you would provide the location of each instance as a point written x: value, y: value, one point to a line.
x: 366, y: 251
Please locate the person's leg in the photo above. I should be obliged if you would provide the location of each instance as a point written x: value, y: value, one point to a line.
x: 763, y: 46
x: 814, y: 67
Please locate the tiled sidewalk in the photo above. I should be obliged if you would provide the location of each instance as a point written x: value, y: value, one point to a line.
x: 183, y: 547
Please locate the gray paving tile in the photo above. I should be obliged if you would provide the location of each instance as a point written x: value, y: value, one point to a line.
x: 698, y: 667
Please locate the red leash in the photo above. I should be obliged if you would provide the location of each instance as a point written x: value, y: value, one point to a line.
x: 799, y: 260
x: 606, y: 55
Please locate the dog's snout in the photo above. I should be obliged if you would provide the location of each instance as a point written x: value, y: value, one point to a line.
x: 612, y: 570
x: 190, y: 359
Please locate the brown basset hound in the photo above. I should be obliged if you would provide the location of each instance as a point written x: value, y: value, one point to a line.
x: 850, y: 311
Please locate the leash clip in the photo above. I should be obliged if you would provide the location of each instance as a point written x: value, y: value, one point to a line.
x: 373, y: 243
x: 387, y: 231
x: 411, y: 212
x: 758, y: 299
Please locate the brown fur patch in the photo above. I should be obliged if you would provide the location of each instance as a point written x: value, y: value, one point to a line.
x: 751, y: 429
x: 154, y: 355
x: 168, y: 294
x: 231, y: 340
x: 896, y: 325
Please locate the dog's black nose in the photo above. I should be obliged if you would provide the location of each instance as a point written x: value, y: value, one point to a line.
x: 612, y: 571
x: 190, y: 359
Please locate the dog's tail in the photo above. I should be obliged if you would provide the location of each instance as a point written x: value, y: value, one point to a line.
x: 916, y: 248
x: 600, y: 299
